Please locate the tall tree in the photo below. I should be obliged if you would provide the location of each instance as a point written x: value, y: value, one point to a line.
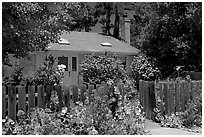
x: 83, y: 18
x: 171, y: 33
x: 28, y: 27
x: 104, y: 9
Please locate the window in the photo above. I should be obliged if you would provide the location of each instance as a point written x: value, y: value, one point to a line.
x: 63, y: 60
x: 74, y: 64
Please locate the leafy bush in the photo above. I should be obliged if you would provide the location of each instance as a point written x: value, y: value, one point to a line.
x: 192, y: 116
x: 16, y: 77
x: 99, y: 68
x: 142, y: 66
x: 48, y: 74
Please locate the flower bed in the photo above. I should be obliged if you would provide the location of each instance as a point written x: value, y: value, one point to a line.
x: 106, y: 115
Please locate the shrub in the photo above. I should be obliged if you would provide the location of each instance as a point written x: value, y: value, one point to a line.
x: 192, y: 116
x: 16, y: 78
x: 99, y: 68
x: 142, y: 66
x: 48, y: 74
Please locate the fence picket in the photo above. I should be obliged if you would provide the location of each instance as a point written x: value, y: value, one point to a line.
x: 22, y: 98
x: 67, y: 97
x: 144, y: 95
x: 171, y: 100
x: 90, y: 88
x: 152, y: 102
x: 31, y: 96
x: 48, y: 90
x: 41, y: 98
x: 177, y: 97
x: 187, y: 91
x: 141, y: 91
x: 162, y: 98
x: 193, y: 90
x: 12, y: 102
x: 165, y: 91
x: 75, y: 93
x: 59, y: 93
x: 3, y: 102
x: 182, y: 99
x: 83, y: 90
x: 97, y: 93
x: 174, y: 95
x: 105, y: 90
x: 147, y: 99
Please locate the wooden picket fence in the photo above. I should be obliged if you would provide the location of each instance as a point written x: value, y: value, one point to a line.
x: 25, y: 97
x: 173, y: 95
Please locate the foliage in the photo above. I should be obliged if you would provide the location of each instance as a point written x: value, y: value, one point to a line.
x: 105, y: 11
x: 169, y: 32
x: 48, y: 74
x: 99, y: 68
x: 31, y: 26
x: 145, y: 68
x: 16, y: 78
x: 83, y: 18
x: 192, y: 116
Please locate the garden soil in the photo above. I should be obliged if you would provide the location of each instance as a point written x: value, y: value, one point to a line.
x: 156, y: 129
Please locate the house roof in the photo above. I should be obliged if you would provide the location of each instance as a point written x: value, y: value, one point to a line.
x: 91, y: 42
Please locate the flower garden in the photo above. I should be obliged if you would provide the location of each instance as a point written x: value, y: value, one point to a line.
x: 119, y: 112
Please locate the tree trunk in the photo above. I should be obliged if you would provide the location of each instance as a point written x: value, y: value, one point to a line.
x: 116, y: 23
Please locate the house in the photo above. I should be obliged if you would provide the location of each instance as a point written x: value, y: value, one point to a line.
x: 73, y: 46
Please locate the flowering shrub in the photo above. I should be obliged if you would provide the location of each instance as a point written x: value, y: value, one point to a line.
x: 16, y: 78
x: 145, y: 69
x: 48, y: 74
x: 99, y: 68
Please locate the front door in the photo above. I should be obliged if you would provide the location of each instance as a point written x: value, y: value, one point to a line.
x: 71, y: 71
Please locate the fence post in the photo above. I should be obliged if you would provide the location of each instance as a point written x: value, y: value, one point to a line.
x: 3, y: 101
x: 22, y: 98
x: 31, y: 96
x: 41, y: 97
x: 12, y: 102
